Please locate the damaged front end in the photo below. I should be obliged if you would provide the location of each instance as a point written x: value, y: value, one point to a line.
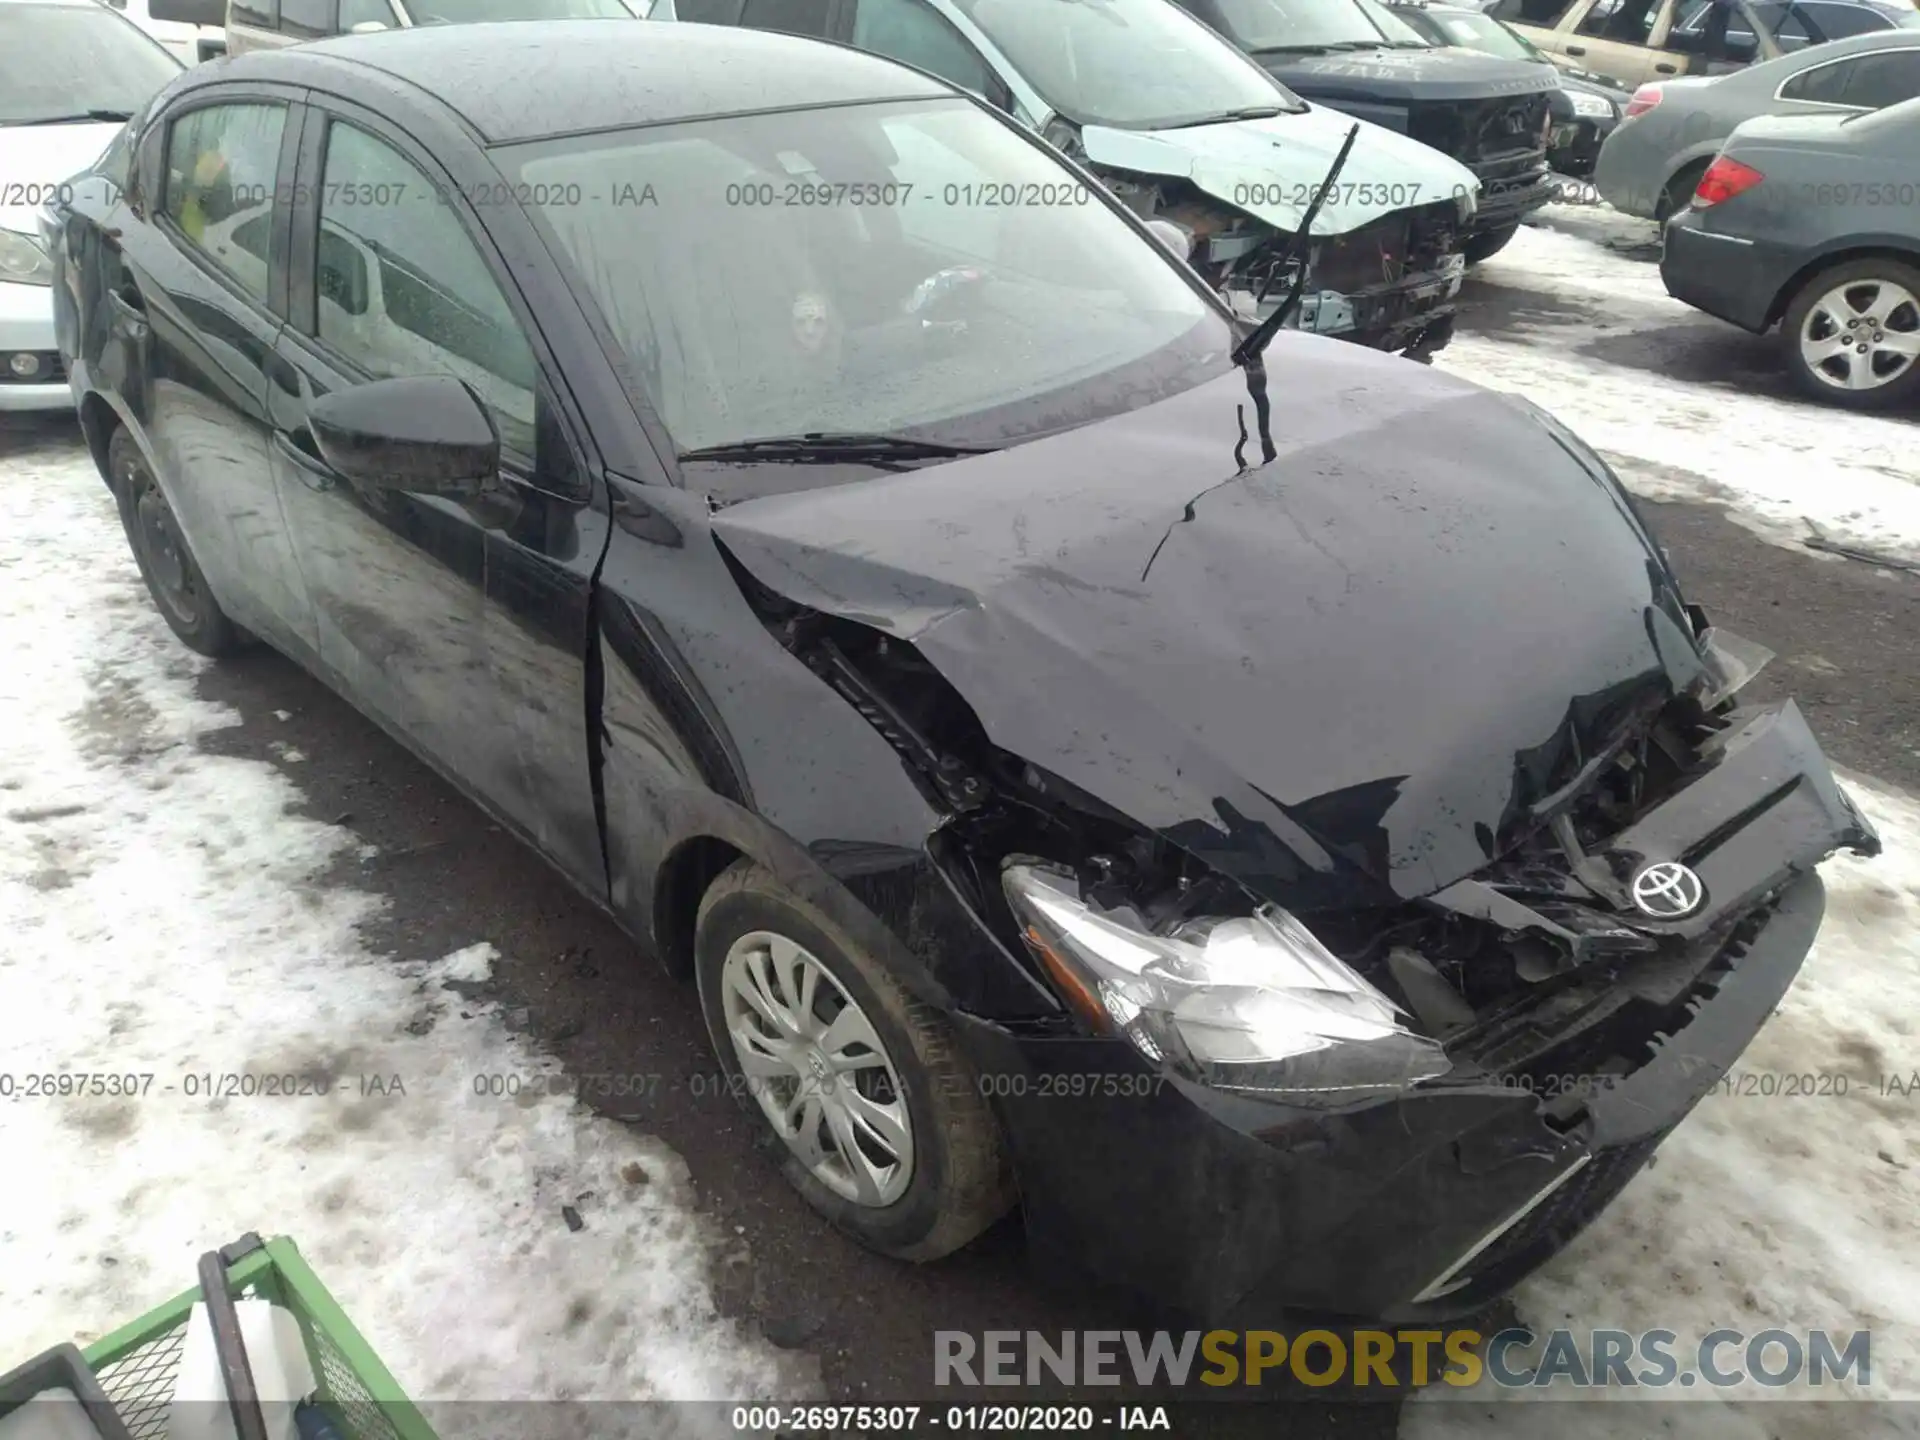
x: 1381, y: 958
x: 1488, y: 1065
x: 1383, y: 262
x: 1392, y: 283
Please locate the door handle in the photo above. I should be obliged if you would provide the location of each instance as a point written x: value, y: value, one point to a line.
x: 1576, y: 49
x: 314, y: 472
x: 1666, y: 69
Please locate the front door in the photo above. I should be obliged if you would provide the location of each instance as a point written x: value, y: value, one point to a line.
x: 461, y: 622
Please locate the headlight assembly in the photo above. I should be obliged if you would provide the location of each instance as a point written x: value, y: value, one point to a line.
x: 1246, y: 1002
x: 1594, y: 107
x: 22, y: 261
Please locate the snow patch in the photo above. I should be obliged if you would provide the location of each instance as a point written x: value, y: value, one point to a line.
x: 171, y: 923
x: 473, y: 964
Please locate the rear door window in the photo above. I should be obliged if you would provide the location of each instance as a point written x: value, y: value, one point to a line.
x: 222, y: 161
x: 1882, y: 78
x: 1821, y: 84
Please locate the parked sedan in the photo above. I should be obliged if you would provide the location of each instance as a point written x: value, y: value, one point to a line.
x: 1674, y: 128
x: 71, y: 72
x: 1188, y: 131
x: 1812, y: 222
x: 1053, y: 725
x: 1587, y: 108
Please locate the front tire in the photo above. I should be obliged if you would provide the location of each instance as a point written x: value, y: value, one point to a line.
x: 174, y: 579
x: 877, y: 1119
x: 1490, y: 243
x: 1851, y: 334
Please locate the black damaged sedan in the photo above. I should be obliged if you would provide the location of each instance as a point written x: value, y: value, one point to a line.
x: 1274, y: 820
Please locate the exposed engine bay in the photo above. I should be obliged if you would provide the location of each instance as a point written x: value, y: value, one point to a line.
x: 1389, y: 284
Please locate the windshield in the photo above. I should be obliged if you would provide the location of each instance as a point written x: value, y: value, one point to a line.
x: 61, y: 60
x: 1475, y: 31
x: 882, y: 268
x: 1139, y: 64
x: 453, y: 12
x: 1315, y: 24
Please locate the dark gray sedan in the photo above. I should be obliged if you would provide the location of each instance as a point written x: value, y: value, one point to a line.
x: 1813, y: 223
x: 1674, y: 128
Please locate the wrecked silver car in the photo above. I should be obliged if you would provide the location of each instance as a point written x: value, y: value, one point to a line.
x: 1187, y: 130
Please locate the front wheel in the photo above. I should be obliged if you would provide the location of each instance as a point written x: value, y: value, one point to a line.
x: 1851, y: 334
x: 1489, y: 243
x: 174, y: 579
x: 879, y: 1122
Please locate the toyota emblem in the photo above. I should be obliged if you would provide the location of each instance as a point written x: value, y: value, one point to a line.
x: 1667, y: 890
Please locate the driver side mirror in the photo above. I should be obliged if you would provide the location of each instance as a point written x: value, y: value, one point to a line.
x: 419, y: 432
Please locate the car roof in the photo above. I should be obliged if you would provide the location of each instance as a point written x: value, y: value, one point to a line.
x: 527, y: 79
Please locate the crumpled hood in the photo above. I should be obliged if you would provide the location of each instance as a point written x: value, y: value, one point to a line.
x: 1436, y: 73
x: 1281, y: 161
x: 1339, y: 676
x: 40, y: 156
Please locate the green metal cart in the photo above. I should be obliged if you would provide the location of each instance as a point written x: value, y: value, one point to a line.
x: 137, y: 1363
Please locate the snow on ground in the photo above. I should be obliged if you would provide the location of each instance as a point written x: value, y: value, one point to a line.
x: 1776, y: 463
x: 166, y: 918
x: 1762, y: 1211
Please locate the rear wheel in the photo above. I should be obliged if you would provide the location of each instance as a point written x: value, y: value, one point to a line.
x: 174, y: 578
x: 878, y: 1121
x: 1851, y: 334
x: 1488, y: 243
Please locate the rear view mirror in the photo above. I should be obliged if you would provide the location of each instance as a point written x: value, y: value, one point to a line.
x: 420, y: 432
x: 189, y: 12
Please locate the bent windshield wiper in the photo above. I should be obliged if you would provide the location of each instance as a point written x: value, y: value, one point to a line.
x: 820, y: 448
x: 78, y: 117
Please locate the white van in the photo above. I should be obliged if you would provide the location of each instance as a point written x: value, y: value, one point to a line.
x: 192, y: 31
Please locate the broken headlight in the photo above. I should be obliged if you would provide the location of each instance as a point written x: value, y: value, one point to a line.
x: 1239, y: 1002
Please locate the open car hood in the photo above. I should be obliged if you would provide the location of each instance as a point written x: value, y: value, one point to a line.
x: 1341, y: 675
x: 1272, y: 168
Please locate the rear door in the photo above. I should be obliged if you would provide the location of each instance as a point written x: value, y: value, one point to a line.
x: 1620, y: 38
x: 460, y: 622
x: 186, y: 308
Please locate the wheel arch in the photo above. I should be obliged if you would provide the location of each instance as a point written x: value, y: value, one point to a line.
x: 1887, y: 247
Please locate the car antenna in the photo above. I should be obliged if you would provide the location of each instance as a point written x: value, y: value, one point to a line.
x: 1247, y: 352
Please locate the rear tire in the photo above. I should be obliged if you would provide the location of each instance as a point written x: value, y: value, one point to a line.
x: 754, y: 942
x: 174, y: 578
x: 1851, y: 334
x: 1488, y: 244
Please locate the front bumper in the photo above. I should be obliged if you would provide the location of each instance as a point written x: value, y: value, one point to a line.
x: 1507, y: 197
x: 26, y: 328
x: 1733, y: 277
x: 1237, y: 1209
x: 1392, y: 316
